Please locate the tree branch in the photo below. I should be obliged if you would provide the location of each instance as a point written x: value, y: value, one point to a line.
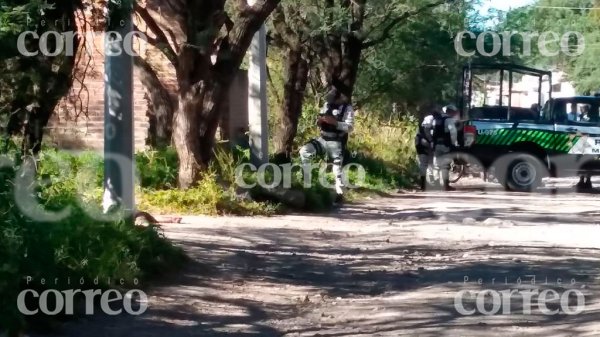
x: 161, y: 106
x: 161, y: 41
x: 151, y: 81
x: 387, y: 30
x: 250, y: 20
x: 261, y: 8
x: 283, y: 30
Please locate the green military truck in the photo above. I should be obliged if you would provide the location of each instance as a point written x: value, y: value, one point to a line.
x: 522, y: 145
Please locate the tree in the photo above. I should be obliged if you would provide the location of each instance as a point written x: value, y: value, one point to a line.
x: 206, y: 58
x: 586, y: 71
x: 32, y: 86
x: 291, y: 35
x: 335, y: 34
x: 366, y: 25
x: 416, y: 67
x: 562, y: 17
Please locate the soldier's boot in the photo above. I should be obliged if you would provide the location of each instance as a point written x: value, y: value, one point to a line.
x: 447, y: 186
x: 588, y: 183
x: 423, y: 183
x: 582, y: 185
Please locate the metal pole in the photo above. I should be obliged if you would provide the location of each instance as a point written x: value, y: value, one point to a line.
x: 257, y: 97
x: 550, y: 86
x: 510, y: 84
x: 461, y: 88
x: 470, y: 102
x: 540, y: 91
x: 118, y: 111
x: 501, y: 86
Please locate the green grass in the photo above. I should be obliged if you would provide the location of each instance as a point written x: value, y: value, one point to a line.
x: 208, y: 197
x: 387, y: 153
x: 76, y: 246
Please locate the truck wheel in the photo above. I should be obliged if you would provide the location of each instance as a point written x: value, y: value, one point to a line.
x: 522, y: 173
x: 457, y: 170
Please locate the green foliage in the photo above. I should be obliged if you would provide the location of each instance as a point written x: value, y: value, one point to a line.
x: 561, y: 16
x: 416, y: 66
x: 207, y: 197
x: 31, y: 86
x: 78, y: 245
x: 78, y: 177
x: 13, y: 21
x: 214, y: 194
x: 158, y: 168
x: 386, y: 151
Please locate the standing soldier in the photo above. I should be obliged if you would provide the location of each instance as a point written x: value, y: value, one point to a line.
x: 445, y: 138
x: 335, y: 122
x: 424, y: 147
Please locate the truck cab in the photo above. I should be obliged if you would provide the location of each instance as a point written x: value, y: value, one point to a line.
x: 523, y: 144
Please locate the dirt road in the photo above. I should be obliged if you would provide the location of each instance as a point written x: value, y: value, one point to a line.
x: 390, y: 266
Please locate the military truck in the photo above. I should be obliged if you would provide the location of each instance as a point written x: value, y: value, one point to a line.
x: 522, y: 145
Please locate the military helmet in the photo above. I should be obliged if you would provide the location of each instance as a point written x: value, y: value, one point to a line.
x: 449, y: 107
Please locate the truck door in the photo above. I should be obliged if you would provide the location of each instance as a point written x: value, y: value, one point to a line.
x: 563, y: 131
x: 547, y: 126
x: 578, y: 127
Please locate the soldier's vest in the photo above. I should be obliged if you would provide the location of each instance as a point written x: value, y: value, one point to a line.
x: 441, y: 136
x: 330, y: 132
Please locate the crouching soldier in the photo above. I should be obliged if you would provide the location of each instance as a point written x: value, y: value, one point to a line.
x: 335, y: 122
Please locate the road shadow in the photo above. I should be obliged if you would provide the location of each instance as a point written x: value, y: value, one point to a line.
x: 242, y: 279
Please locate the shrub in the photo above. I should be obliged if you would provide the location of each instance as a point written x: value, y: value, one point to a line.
x: 207, y: 197
x: 159, y: 168
x: 78, y: 246
x: 386, y: 151
x: 215, y: 193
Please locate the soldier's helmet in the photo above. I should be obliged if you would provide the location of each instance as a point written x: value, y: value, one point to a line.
x: 332, y: 96
x: 450, y: 108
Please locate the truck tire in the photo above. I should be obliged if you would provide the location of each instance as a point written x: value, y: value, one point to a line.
x: 521, y: 172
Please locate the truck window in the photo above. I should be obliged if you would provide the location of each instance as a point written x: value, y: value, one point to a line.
x: 588, y: 114
x: 579, y: 112
x: 560, y: 112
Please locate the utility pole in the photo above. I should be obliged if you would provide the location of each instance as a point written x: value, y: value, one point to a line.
x: 257, y: 97
x: 118, y: 110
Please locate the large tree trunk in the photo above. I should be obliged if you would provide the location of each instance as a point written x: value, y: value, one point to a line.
x: 160, y: 106
x: 291, y: 107
x: 340, y: 53
x: 46, y: 80
x: 202, y: 89
x: 34, y: 129
x: 340, y: 57
x: 186, y: 139
x: 33, y: 118
x: 50, y: 94
x: 205, y: 61
x: 194, y: 128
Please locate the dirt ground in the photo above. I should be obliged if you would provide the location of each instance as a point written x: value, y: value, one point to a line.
x: 389, y: 266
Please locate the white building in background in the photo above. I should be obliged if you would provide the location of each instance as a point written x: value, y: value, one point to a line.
x: 561, y: 87
x: 525, y: 91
